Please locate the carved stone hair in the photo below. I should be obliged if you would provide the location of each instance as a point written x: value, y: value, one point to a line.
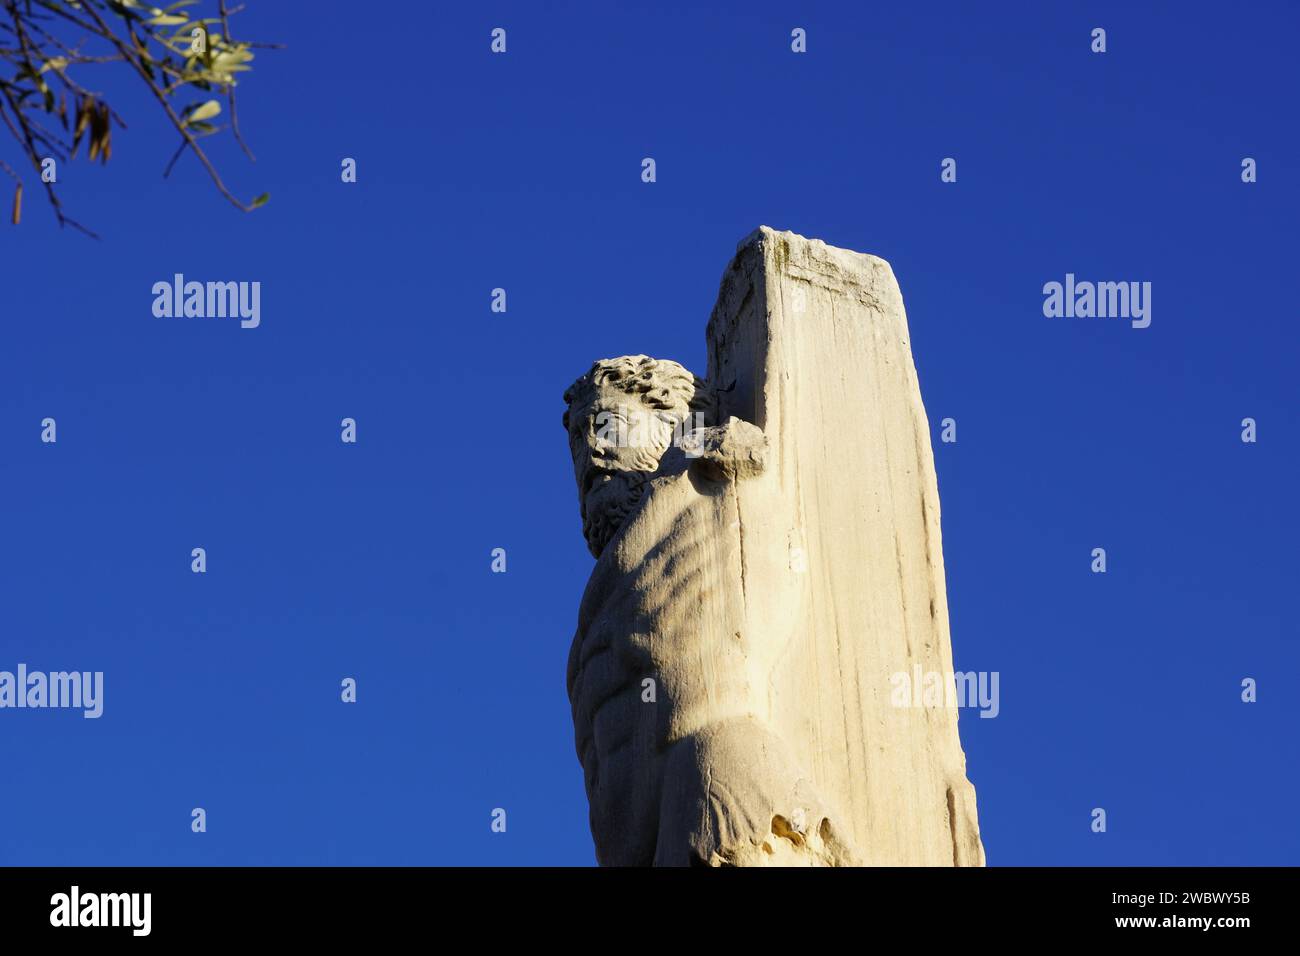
x: 659, y: 383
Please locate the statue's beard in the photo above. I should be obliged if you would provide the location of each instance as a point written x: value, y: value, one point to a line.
x: 608, y: 502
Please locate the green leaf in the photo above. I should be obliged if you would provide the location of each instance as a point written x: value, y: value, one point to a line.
x: 261, y: 200
x: 206, y: 111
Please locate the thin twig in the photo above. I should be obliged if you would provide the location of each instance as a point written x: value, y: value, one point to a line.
x: 34, y: 156
x: 234, y: 118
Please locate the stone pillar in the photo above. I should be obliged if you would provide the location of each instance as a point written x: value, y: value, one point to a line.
x: 843, y: 572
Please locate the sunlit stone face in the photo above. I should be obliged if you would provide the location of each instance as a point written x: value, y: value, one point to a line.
x: 616, y: 442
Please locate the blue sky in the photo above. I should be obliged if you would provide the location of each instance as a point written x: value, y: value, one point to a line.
x: 522, y: 171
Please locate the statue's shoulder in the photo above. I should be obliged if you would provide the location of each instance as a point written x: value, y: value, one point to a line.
x: 687, y: 474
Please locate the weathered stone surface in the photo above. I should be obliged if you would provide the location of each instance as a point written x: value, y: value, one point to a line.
x: 768, y: 557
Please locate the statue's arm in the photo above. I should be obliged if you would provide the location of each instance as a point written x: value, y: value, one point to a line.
x: 732, y: 451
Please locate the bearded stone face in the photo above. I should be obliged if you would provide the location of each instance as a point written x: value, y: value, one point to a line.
x: 616, y: 441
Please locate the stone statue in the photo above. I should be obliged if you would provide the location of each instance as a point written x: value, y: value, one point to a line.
x: 767, y: 559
